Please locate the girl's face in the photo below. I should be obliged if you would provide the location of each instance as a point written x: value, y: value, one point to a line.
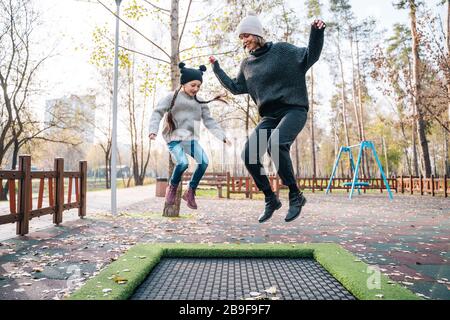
x: 192, y: 88
x: 249, y: 41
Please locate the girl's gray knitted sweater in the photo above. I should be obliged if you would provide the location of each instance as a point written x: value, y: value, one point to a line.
x: 274, y: 75
x: 187, y: 115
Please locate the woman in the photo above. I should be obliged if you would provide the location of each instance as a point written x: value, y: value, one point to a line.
x: 184, y: 113
x: 274, y: 76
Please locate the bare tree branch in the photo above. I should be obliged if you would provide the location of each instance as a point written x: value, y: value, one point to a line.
x: 184, y: 25
x: 156, y: 7
x: 215, y: 54
x: 135, y: 51
x: 133, y: 28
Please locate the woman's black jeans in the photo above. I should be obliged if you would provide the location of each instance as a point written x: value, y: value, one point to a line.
x: 275, y: 134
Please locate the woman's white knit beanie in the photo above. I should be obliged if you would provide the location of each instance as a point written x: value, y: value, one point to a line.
x: 251, y: 25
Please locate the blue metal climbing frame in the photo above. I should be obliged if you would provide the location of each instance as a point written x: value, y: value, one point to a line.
x: 355, y: 169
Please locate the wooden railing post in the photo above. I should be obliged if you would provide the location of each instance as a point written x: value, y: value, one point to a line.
x: 83, y: 189
x: 228, y: 185
x: 421, y: 185
x: 411, y: 184
x: 59, y: 187
x: 402, y: 187
x: 24, y: 195
x: 432, y: 186
x: 445, y: 186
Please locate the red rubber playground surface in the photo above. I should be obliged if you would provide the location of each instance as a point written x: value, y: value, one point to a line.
x: 408, y: 239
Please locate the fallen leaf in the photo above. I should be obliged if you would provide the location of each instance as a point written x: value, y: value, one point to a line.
x: 26, y: 284
x: 271, y: 290
x: 120, y: 280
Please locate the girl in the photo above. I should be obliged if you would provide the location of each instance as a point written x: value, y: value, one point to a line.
x: 184, y: 111
x: 274, y: 76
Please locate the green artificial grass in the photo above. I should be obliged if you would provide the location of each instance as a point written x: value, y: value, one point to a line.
x: 135, y: 265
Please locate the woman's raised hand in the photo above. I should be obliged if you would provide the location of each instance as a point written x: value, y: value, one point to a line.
x: 212, y: 59
x: 319, y: 24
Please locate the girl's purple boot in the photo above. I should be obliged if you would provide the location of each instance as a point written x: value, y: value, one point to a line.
x: 189, y: 197
x: 171, y: 194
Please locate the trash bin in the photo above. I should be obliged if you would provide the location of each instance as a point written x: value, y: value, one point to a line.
x: 161, y: 185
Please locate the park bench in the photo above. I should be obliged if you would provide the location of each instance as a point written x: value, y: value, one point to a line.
x: 210, y: 179
x: 246, y: 185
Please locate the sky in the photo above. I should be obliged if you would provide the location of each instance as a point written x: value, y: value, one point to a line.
x: 68, y: 26
x: 71, y: 23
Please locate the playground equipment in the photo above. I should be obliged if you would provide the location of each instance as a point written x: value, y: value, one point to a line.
x: 355, y: 169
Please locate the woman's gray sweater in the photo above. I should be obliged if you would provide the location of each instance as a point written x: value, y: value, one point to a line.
x: 187, y: 114
x: 275, y: 75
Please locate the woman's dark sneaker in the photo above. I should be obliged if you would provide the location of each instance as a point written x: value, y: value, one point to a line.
x: 272, y: 204
x: 296, y: 202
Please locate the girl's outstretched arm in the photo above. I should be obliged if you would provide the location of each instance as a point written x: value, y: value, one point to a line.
x: 237, y: 85
x: 158, y: 113
x: 212, y: 124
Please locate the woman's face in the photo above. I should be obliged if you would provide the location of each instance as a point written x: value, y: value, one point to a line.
x: 249, y: 41
x: 192, y: 88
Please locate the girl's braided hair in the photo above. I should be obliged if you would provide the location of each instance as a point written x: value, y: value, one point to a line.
x: 169, y: 125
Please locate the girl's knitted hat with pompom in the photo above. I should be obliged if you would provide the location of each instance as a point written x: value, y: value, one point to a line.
x: 188, y: 75
x: 251, y: 25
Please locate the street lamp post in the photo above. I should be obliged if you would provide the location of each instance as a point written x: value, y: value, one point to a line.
x: 114, y: 124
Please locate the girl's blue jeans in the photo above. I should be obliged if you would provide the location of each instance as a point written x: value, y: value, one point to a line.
x: 178, y: 151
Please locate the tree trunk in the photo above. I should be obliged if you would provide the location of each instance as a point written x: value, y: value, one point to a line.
x: 355, y: 103
x: 417, y: 92
x: 447, y: 160
x: 414, y: 144
x: 343, y: 98
x: 405, y: 150
x: 365, y: 163
x: 174, y: 211
x: 107, y: 151
x: 4, y: 191
x: 344, y: 102
x: 386, y: 157
x: 434, y: 161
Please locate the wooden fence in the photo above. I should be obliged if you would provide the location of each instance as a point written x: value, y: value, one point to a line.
x: 21, y: 207
x: 420, y: 185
